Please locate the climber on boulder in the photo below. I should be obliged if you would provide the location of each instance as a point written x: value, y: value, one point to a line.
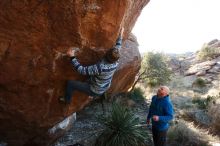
x: 100, y: 74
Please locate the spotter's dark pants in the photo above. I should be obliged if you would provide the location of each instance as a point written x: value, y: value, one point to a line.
x: 159, y: 137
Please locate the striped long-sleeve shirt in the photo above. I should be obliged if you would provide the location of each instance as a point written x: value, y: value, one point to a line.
x: 100, y: 74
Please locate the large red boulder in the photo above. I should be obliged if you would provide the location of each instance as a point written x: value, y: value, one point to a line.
x: 34, y: 36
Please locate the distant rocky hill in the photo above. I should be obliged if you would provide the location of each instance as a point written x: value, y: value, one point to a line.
x: 179, y: 63
x: 189, y: 65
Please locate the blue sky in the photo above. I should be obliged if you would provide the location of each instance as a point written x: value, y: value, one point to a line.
x: 177, y: 26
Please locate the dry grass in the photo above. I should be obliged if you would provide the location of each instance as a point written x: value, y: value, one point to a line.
x: 186, y: 134
x: 214, y: 113
x: 200, y: 117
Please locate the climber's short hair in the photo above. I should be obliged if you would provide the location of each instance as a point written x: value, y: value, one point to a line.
x: 113, y: 55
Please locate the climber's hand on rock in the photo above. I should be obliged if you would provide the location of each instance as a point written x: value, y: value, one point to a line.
x: 71, y: 52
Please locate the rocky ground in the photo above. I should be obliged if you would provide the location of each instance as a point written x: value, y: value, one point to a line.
x: 86, y: 128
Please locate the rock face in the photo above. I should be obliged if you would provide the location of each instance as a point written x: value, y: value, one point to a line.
x: 200, y: 68
x: 34, y: 36
x: 209, y: 71
x: 180, y: 63
x: 214, y: 43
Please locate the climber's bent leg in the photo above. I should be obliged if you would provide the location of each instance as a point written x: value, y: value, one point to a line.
x: 76, y: 86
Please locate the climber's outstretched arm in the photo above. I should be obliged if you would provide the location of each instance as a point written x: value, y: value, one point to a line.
x: 84, y: 70
x: 119, y: 40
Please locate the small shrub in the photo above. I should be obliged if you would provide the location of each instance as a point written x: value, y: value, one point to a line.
x: 152, y: 83
x: 154, y: 69
x: 186, y: 134
x: 207, y: 53
x: 203, y: 103
x: 121, y: 129
x: 199, y: 82
x: 137, y: 94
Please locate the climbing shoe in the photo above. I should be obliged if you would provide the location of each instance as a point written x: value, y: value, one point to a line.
x: 62, y: 99
x: 91, y: 98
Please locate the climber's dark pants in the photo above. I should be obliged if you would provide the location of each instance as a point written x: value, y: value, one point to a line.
x: 77, y: 86
x: 159, y: 137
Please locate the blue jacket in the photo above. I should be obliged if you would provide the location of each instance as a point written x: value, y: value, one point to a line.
x: 163, y: 108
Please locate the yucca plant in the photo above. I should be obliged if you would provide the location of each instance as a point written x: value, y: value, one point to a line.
x: 122, y: 129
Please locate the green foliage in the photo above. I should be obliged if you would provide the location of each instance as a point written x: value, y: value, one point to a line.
x: 203, y: 103
x: 207, y: 53
x: 156, y: 71
x: 121, y: 129
x: 137, y: 94
x: 152, y: 82
x: 199, y: 82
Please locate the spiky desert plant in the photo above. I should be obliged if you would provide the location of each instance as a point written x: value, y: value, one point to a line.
x: 122, y: 129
